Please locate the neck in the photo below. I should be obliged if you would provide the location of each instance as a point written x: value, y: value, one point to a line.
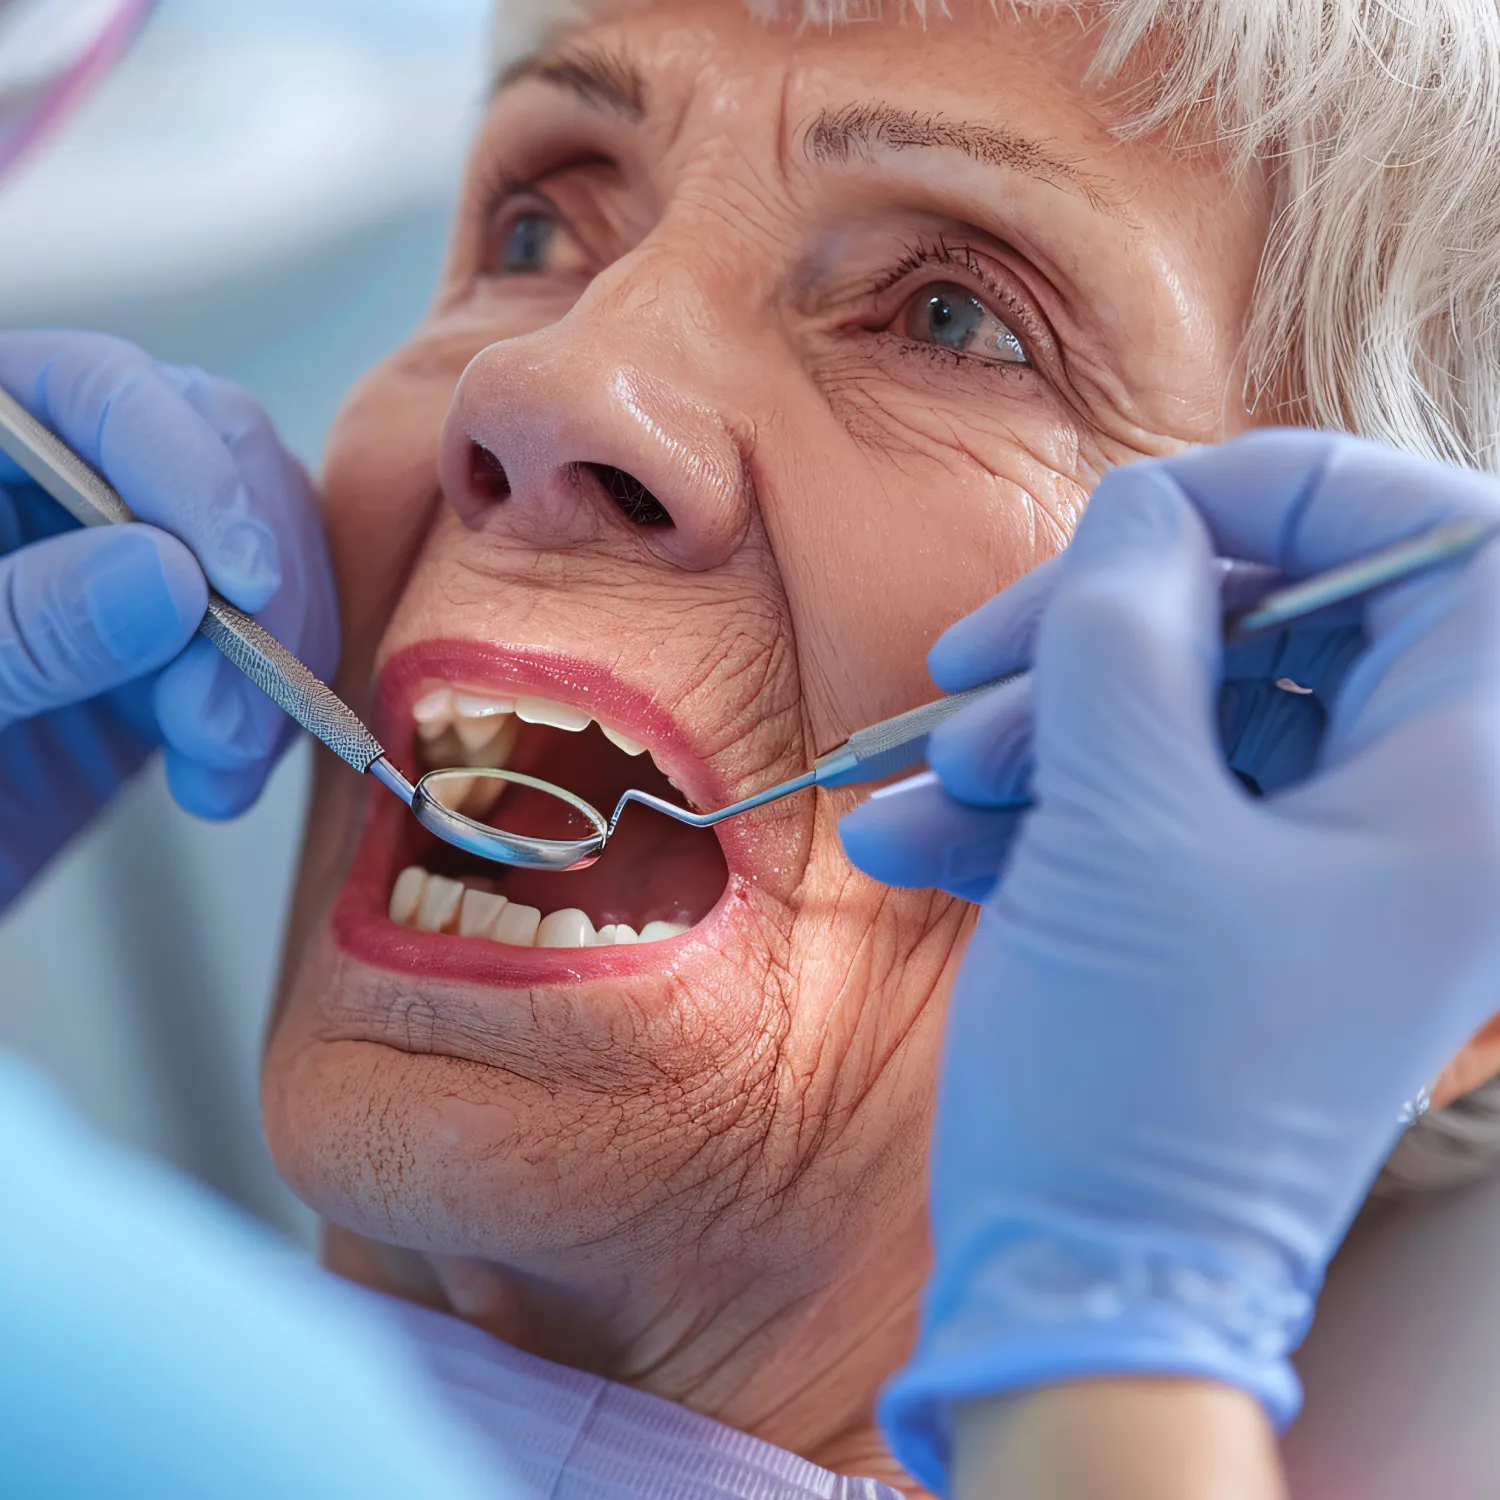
x: 795, y: 1366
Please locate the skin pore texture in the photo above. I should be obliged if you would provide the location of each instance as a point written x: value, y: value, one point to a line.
x: 704, y: 250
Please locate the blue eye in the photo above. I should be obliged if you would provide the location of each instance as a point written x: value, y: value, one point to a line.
x: 526, y: 245
x: 952, y: 317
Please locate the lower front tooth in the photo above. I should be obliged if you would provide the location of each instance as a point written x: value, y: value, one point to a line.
x: 517, y: 925
x: 406, y: 894
x: 477, y: 913
x: 439, y: 908
x: 568, y: 928
x: 616, y: 934
x: 654, y: 932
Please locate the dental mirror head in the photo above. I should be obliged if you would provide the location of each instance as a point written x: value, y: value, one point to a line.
x: 545, y: 827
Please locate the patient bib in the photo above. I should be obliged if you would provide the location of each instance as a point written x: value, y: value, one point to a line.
x: 561, y: 1434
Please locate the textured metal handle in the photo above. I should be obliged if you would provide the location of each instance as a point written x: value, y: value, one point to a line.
x: 915, y: 724
x: 88, y: 497
x: 285, y: 679
x: 893, y: 744
x: 58, y: 469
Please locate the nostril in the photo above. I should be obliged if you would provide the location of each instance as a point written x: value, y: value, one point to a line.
x: 487, y: 475
x: 635, y: 502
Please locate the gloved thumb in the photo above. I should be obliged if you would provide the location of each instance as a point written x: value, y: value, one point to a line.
x: 1128, y: 654
x: 89, y: 610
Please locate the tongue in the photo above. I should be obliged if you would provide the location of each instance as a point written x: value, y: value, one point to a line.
x: 654, y: 869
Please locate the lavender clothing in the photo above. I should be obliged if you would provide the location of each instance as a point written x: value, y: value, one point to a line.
x: 559, y: 1434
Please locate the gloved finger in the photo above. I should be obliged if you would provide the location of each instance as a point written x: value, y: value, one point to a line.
x: 209, y: 793
x: 211, y: 713
x: 1128, y: 655
x: 983, y: 754
x: 87, y: 611
x: 119, y: 410
x: 915, y: 835
x: 1270, y: 735
x: 303, y: 614
x: 1303, y: 501
x: 1437, y: 650
x: 998, y: 637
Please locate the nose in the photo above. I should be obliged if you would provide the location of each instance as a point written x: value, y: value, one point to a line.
x: 610, y: 417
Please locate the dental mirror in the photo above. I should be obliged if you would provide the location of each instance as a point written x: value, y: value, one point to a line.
x: 544, y: 826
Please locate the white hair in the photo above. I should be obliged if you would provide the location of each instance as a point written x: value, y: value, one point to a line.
x: 1378, y: 305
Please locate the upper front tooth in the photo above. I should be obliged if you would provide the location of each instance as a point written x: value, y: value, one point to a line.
x: 558, y: 715
x: 434, y: 714
x: 475, y: 706
x: 435, y: 707
x: 628, y: 745
x: 475, y: 734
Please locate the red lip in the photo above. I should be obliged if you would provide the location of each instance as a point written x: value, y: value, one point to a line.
x: 360, y: 924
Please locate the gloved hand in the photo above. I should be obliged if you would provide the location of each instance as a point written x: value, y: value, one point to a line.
x: 1182, y: 1036
x: 1271, y: 709
x: 98, y: 660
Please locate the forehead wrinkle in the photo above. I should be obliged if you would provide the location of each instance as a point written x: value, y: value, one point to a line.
x: 862, y: 130
x: 606, y: 81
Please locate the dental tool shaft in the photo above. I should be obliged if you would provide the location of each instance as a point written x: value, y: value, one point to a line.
x: 898, y: 743
x: 289, y: 682
x: 1296, y: 601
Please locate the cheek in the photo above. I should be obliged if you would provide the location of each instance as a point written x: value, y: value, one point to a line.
x: 910, y: 518
x: 380, y: 487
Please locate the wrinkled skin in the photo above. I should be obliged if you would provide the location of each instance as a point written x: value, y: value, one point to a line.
x: 708, y: 1180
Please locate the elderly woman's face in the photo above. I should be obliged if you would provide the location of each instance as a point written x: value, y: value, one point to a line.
x: 761, y: 356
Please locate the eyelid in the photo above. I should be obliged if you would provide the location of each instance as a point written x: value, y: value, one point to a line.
x: 507, y: 191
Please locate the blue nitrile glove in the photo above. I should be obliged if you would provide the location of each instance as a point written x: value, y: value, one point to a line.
x: 98, y: 662
x: 1182, y: 1036
x: 915, y: 834
x: 155, y: 1344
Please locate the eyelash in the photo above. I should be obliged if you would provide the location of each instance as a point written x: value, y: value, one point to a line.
x: 938, y: 253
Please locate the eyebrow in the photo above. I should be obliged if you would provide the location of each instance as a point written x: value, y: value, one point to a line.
x: 862, y: 130
x: 605, y: 81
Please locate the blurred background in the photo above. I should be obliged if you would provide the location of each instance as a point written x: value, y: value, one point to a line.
x: 261, y: 189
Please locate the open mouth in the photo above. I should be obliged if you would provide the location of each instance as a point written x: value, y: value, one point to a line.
x: 656, y: 880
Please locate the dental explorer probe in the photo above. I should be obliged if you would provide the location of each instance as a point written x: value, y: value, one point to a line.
x: 869, y: 754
